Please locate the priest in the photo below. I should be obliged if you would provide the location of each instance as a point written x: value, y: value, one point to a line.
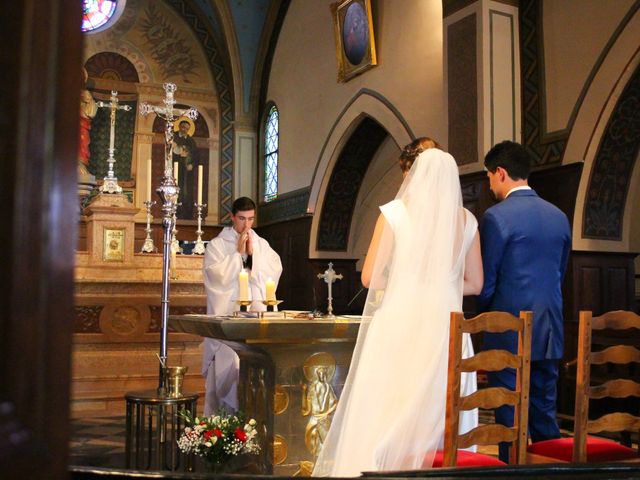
x: 237, y: 263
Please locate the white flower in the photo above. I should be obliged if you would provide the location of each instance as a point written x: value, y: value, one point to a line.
x: 208, y: 444
x: 187, y: 430
x: 252, y: 422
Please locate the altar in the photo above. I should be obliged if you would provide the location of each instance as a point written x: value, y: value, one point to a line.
x: 292, y: 371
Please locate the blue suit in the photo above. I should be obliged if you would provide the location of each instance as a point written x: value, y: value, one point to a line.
x: 525, y: 246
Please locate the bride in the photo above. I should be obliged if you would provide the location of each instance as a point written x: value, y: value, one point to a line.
x: 424, y: 256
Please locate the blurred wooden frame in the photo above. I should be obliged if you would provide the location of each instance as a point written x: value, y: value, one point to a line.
x: 346, y: 69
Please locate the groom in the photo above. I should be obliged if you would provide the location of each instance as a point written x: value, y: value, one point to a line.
x: 525, y: 245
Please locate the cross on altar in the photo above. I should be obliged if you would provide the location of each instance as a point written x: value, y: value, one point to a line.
x: 110, y: 184
x: 329, y: 277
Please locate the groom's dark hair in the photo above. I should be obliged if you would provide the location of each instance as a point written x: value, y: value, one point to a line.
x: 511, y: 156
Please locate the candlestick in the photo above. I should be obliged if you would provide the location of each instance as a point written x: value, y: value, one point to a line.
x: 270, y: 290
x: 175, y: 172
x: 148, y: 246
x: 199, y: 249
x: 243, y: 285
x: 149, y: 180
x: 200, y: 184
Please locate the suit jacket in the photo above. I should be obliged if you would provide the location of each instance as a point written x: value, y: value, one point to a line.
x: 525, y: 246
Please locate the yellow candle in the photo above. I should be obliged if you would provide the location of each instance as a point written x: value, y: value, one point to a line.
x: 243, y: 285
x: 270, y: 290
x: 175, y: 171
x: 174, y: 266
x: 199, y: 184
x: 149, y: 180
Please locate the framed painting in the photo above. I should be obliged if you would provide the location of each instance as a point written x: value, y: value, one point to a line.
x: 355, y: 45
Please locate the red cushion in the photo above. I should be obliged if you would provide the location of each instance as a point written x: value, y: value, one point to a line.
x: 468, y: 459
x: 598, y: 450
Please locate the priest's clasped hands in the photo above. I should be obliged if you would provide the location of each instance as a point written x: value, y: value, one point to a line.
x: 245, y: 245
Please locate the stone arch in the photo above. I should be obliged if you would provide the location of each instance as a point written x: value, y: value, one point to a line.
x: 359, y: 130
x: 605, y: 136
x: 112, y: 66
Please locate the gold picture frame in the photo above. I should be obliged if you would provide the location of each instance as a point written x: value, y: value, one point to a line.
x: 113, y: 245
x: 355, y: 44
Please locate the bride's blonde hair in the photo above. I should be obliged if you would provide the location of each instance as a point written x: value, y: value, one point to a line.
x: 411, y: 151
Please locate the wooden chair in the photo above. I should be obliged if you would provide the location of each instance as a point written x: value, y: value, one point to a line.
x: 584, y: 448
x: 487, y: 398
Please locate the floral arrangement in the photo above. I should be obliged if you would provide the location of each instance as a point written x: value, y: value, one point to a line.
x: 218, y: 438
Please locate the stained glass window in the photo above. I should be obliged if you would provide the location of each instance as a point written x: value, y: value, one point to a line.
x: 271, y: 155
x: 100, y: 14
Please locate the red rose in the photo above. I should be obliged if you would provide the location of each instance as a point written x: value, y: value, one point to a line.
x: 208, y: 434
x: 217, y: 432
x: 240, y: 434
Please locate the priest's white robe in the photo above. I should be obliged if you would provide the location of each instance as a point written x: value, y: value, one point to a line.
x: 222, y: 265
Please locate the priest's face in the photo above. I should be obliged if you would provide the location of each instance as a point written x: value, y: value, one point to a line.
x: 243, y: 220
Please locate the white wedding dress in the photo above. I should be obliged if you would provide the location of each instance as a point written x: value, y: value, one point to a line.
x: 391, y: 412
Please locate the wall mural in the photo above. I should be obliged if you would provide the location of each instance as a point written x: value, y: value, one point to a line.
x: 168, y: 46
x: 613, y: 166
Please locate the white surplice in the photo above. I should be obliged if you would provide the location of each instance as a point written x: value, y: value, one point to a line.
x: 222, y: 265
x: 391, y: 412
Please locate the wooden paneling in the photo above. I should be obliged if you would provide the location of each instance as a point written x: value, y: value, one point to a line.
x: 299, y: 286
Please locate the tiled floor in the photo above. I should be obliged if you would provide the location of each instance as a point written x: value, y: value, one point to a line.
x: 100, y: 442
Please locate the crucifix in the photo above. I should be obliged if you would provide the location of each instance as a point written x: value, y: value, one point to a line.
x: 329, y: 277
x: 110, y: 184
x: 168, y: 192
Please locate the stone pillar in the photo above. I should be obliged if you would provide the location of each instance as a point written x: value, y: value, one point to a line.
x: 482, y: 79
x: 110, y: 229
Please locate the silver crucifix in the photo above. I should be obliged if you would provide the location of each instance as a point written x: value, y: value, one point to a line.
x: 329, y: 277
x: 110, y: 184
x: 168, y: 192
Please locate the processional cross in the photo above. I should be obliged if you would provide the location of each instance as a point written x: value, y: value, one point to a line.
x: 168, y: 192
x: 329, y: 277
x: 110, y: 184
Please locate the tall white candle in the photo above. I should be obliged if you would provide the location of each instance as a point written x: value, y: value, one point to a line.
x: 175, y: 171
x: 149, y: 182
x: 270, y: 290
x: 243, y: 285
x: 199, y: 184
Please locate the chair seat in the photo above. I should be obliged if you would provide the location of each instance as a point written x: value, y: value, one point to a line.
x: 598, y: 450
x: 468, y: 459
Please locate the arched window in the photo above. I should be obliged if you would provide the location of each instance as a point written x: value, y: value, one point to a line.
x: 271, y: 129
x: 98, y: 15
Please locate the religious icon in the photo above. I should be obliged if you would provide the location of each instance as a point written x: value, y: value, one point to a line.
x: 184, y: 154
x: 355, y: 46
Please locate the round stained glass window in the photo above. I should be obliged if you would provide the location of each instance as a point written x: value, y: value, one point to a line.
x: 98, y: 15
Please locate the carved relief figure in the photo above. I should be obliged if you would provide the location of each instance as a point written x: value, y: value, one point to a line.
x: 319, y: 401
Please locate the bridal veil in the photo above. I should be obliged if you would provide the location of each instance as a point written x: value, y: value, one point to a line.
x: 391, y: 412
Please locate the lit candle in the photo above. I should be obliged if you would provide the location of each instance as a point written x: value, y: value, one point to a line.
x: 243, y: 284
x: 175, y: 171
x: 199, y: 184
x: 270, y: 290
x: 149, y: 180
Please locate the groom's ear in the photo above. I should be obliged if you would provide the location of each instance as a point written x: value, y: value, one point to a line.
x: 502, y: 174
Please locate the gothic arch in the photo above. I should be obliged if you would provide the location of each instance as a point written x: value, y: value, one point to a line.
x: 362, y: 126
x: 605, y: 136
